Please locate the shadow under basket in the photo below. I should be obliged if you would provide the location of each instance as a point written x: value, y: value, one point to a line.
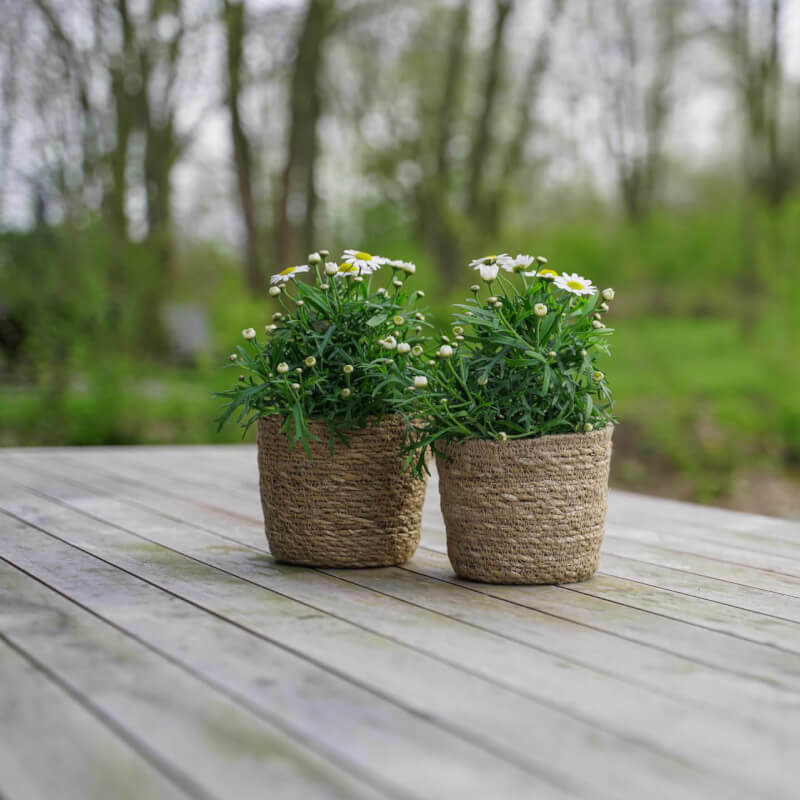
x: 355, y: 507
x: 526, y: 510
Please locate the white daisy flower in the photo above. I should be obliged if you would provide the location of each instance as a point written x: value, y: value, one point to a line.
x: 282, y: 368
x: 347, y: 369
x: 389, y: 343
x: 521, y: 264
x: 249, y: 333
x: 331, y: 267
x: 417, y: 350
x: 365, y: 263
x: 290, y: 272
x: 405, y: 266
x: 574, y: 284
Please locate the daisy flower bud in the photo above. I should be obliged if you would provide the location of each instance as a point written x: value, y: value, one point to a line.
x: 431, y: 362
x: 241, y: 377
x: 598, y: 376
x: 389, y: 343
x: 331, y: 268
x: 282, y: 368
x: 491, y: 299
x: 552, y: 354
x: 358, y: 278
x: 483, y: 380
x: 502, y: 436
x: 274, y: 291
x: 232, y: 357
x: 443, y: 401
x: 498, y: 304
x: 346, y: 392
x: 300, y: 303
x: 583, y: 354
x: 347, y: 369
x: 310, y: 361
x: 540, y: 309
x: 416, y: 350
x: 324, y: 253
x: 420, y: 293
x: 608, y: 294
x: 325, y: 286
x: 474, y: 288
x: 403, y: 348
x: 604, y: 306
x: 457, y: 329
x: 298, y: 370
x: 381, y: 291
x: 314, y: 258
x: 296, y: 387
x: 277, y: 316
x: 445, y: 338
x: 588, y: 427
x: 420, y: 316
x: 541, y: 259
x: 597, y: 324
x: 397, y: 319
x: 420, y: 381
x: 445, y: 351
x: 397, y: 282
x: 597, y: 315
x: 459, y: 338
x: 249, y: 333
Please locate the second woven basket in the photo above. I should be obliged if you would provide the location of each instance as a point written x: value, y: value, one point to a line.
x: 528, y: 510
x: 355, y: 507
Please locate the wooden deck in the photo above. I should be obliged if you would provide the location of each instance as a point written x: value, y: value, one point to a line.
x: 150, y: 648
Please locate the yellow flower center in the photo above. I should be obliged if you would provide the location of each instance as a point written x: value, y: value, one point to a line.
x: 489, y: 259
x: 364, y: 256
x: 575, y: 285
x: 548, y: 273
x: 288, y: 270
x: 348, y: 268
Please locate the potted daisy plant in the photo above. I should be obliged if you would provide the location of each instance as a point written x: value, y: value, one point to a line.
x: 520, y: 418
x: 318, y: 384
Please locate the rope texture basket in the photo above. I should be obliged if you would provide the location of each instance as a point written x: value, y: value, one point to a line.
x: 355, y: 507
x: 527, y: 510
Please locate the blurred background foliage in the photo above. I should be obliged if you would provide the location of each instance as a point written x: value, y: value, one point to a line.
x: 159, y: 159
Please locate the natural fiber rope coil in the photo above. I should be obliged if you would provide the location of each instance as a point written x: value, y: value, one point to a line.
x: 526, y: 510
x: 355, y: 507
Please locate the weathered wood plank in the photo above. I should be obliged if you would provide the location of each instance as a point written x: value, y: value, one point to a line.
x: 699, y: 644
x: 51, y: 745
x: 233, y: 468
x: 583, y: 691
x: 215, y: 747
x: 755, y: 622
x: 509, y: 720
x: 355, y: 728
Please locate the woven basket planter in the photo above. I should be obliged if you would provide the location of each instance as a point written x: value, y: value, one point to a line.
x: 527, y: 510
x: 355, y: 507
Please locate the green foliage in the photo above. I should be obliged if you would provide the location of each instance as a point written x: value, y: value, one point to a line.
x: 334, y: 354
x: 521, y: 364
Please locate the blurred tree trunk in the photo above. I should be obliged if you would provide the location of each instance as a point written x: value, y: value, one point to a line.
x: 235, y: 25
x: 298, y: 194
x: 482, y: 141
x: 434, y: 217
x: 525, y: 122
x: 757, y: 64
x: 639, y: 110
